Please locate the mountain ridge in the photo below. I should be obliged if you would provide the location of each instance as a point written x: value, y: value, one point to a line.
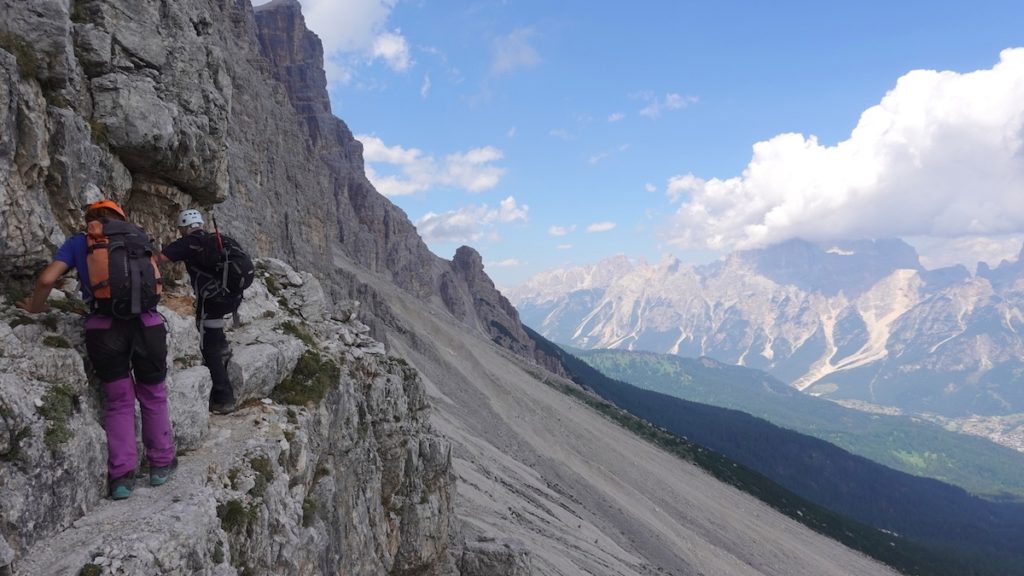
x: 886, y: 332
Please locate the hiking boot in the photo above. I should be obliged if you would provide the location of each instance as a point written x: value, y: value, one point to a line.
x: 222, y: 407
x: 121, y: 488
x: 158, y: 476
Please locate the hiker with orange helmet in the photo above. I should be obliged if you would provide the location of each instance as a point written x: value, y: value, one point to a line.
x: 125, y: 337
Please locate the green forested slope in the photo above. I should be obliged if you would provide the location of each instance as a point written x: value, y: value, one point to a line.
x: 903, y: 443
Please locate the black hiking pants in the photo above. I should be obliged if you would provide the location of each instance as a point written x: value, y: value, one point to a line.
x: 120, y: 348
x: 216, y: 353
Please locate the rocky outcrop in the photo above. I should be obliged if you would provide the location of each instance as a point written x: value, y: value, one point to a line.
x: 493, y: 558
x: 496, y: 316
x: 297, y: 58
x: 331, y: 468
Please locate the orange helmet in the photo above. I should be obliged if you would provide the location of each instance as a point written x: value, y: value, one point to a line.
x: 105, y: 204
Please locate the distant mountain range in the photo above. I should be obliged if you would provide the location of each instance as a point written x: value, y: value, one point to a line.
x: 860, y: 321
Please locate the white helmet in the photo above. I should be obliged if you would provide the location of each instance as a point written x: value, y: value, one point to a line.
x: 189, y: 218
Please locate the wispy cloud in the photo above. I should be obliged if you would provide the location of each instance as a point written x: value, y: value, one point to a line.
x: 601, y: 227
x: 514, y: 52
x: 506, y: 263
x: 425, y: 86
x: 393, y: 49
x: 561, y: 230
x: 471, y: 223
x: 565, y: 246
x: 597, y: 158
x: 561, y: 134
x: 658, y: 104
x: 650, y: 187
x: 616, y: 116
x: 904, y: 171
x: 473, y: 171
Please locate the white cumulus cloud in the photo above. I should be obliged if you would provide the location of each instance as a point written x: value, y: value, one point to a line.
x: 941, y: 156
x: 473, y: 171
x: 506, y: 263
x: 471, y: 223
x: 393, y: 49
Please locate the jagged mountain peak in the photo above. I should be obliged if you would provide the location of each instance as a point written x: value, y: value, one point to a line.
x: 573, y: 278
x: 468, y: 261
x: 850, y: 266
x: 1006, y: 273
x: 275, y: 4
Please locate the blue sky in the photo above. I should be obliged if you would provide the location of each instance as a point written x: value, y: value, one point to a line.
x: 546, y: 134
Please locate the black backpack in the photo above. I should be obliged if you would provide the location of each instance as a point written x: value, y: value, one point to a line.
x: 123, y: 273
x: 225, y: 270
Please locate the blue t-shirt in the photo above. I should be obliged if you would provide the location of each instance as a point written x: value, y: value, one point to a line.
x: 73, y: 253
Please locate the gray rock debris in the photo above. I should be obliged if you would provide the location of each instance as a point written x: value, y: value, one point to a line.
x: 495, y: 558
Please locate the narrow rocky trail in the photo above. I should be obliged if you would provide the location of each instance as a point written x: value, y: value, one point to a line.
x: 339, y: 473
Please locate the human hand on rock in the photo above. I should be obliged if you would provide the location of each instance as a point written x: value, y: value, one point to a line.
x: 26, y: 305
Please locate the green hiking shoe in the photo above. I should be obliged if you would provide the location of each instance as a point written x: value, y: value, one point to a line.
x: 161, y: 474
x: 121, y: 488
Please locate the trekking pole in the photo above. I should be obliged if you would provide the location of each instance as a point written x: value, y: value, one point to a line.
x: 216, y: 231
x: 220, y: 247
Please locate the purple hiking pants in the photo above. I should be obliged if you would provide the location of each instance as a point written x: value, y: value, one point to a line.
x: 120, y: 425
x: 130, y: 358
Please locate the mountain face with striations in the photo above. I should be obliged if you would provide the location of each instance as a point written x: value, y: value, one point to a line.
x: 856, y: 320
x: 396, y: 417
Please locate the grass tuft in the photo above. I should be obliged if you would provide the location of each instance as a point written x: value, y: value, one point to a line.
x: 310, y: 381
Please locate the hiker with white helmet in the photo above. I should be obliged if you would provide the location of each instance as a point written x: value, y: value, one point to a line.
x: 219, y: 271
